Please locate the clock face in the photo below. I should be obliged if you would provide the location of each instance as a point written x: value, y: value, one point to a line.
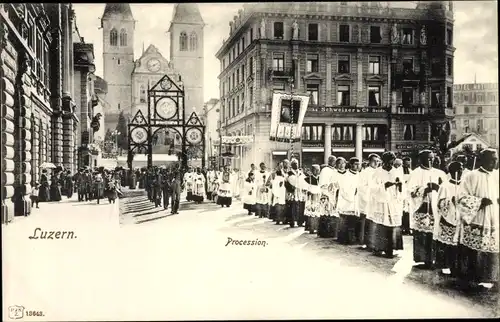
x: 166, y: 108
x: 139, y: 135
x: 154, y: 65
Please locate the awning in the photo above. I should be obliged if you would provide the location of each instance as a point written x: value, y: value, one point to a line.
x: 317, y: 149
x: 280, y: 152
x: 343, y: 149
x: 374, y: 150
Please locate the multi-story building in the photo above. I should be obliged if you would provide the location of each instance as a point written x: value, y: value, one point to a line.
x: 476, y: 111
x: 38, y: 117
x: 210, y: 116
x: 378, y: 77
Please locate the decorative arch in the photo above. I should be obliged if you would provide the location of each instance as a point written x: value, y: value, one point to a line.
x: 193, y: 41
x: 183, y: 41
x: 113, y: 37
x: 123, y: 38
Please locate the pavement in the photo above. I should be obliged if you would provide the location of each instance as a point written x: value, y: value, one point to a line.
x: 178, y: 267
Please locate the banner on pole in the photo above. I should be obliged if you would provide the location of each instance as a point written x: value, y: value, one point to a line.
x: 287, y: 116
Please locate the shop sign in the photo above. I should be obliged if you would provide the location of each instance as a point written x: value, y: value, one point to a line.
x: 342, y: 145
x: 358, y: 110
x: 410, y: 146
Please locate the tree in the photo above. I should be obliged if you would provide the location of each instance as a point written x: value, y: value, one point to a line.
x: 122, y: 128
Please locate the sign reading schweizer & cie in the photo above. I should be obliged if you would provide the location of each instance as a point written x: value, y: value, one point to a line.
x: 357, y: 110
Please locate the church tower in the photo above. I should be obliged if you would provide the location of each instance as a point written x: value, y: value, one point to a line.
x: 186, y: 52
x: 118, y: 27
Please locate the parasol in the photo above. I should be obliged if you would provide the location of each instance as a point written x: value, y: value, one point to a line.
x: 47, y: 165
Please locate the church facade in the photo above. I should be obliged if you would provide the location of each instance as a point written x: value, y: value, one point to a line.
x: 128, y: 78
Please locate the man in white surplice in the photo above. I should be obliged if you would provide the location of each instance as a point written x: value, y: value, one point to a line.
x: 365, y: 200
x: 478, y: 200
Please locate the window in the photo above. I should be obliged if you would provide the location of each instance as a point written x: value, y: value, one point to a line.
x: 251, y: 65
x: 237, y: 76
x: 343, y: 95
x: 118, y: 61
x: 312, y: 32
x: 233, y: 107
x: 344, y: 33
x: 113, y: 37
x: 435, y: 98
x: 193, y: 41
x: 278, y: 85
x: 312, y: 133
x: 242, y: 73
x: 466, y: 123
x: 279, y: 61
x: 46, y: 65
x: 407, y: 65
x: 234, y: 53
x: 436, y: 67
x: 278, y: 30
x: 313, y: 91
x: 479, y: 110
x: 123, y: 38
x: 449, y: 37
x: 373, y: 96
x: 234, y: 80
x: 374, y: 65
x: 480, y: 125
x: 407, y: 97
x: 251, y: 34
x: 466, y: 110
x: 374, y: 132
x: 479, y: 146
x: 375, y: 37
x: 449, y: 62
x: 312, y: 63
x: 407, y: 36
x: 243, y: 45
x: 343, y: 64
x: 142, y: 94
x: 449, y: 97
x: 250, y: 94
x: 409, y: 132
x: 183, y: 42
x: 342, y: 132
x: 237, y: 105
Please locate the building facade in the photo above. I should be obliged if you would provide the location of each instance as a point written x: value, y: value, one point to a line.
x: 379, y: 78
x: 118, y: 26
x: 186, y: 52
x: 476, y: 111
x: 210, y: 116
x: 38, y: 117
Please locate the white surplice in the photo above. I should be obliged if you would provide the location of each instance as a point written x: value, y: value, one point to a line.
x: 249, y: 193
x: 479, y: 229
x: 261, y: 178
x: 198, y: 184
x: 188, y: 181
x: 447, y: 233
x: 417, y: 183
x: 278, y: 190
x: 387, y: 204
x: 347, y: 203
x: 364, y: 190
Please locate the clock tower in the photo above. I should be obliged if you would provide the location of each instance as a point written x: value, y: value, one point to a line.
x: 148, y: 70
x: 186, y: 52
x: 118, y: 27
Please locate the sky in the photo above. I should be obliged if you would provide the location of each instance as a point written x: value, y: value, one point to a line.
x: 475, y: 36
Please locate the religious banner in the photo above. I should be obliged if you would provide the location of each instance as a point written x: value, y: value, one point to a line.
x: 287, y: 116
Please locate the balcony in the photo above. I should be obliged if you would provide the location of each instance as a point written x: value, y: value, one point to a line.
x: 410, y: 110
x: 283, y: 73
x: 407, y: 77
x: 440, y: 111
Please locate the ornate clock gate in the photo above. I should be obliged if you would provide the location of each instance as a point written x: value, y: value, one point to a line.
x: 166, y: 111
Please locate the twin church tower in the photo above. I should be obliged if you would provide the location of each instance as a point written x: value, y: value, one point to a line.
x: 127, y: 78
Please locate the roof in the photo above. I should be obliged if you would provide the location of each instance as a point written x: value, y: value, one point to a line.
x: 457, y: 143
x: 186, y: 13
x: 122, y: 9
